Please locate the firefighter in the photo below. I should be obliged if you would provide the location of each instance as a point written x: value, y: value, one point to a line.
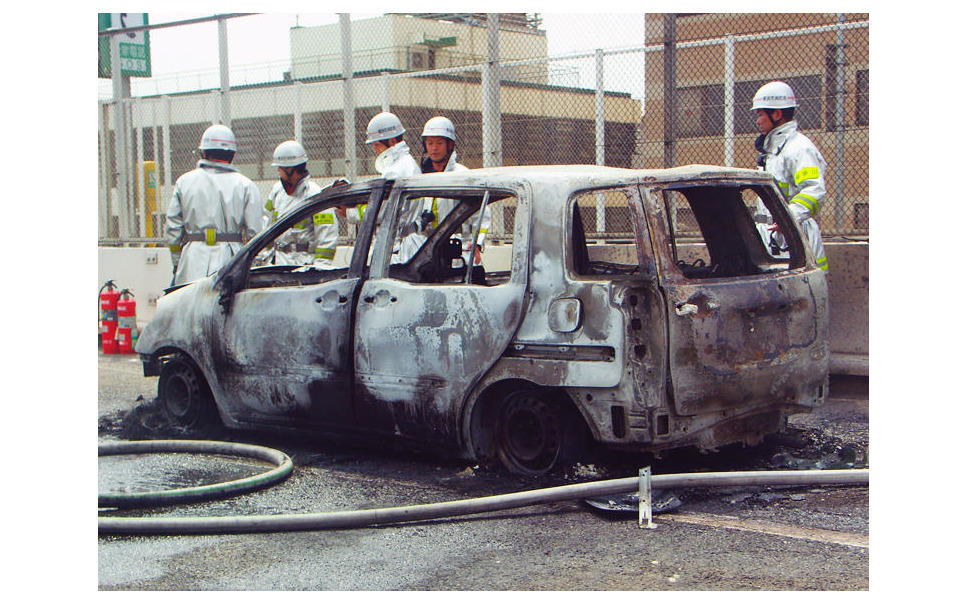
x: 213, y: 211
x: 305, y: 243
x: 384, y: 134
x: 794, y: 162
x: 439, y: 139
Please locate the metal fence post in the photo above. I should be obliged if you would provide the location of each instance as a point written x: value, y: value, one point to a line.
x: 491, y: 89
x: 223, y: 71
x: 670, y: 132
x: 122, y: 91
x: 599, y: 133
x: 840, y: 205
x: 166, y: 145
x: 297, y: 111
x: 385, y: 81
x: 729, y: 51
x: 139, y: 205
x: 349, y: 105
x: 103, y: 194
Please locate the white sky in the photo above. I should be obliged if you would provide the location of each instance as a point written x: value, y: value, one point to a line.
x: 567, y: 32
x: 259, y: 48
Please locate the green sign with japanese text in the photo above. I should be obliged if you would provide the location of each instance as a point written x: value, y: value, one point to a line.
x: 134, y: 47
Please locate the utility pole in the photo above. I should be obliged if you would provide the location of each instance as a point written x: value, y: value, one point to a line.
x: 122, y: 93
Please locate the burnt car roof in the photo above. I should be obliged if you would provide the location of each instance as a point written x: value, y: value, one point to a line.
x: 572, y: 174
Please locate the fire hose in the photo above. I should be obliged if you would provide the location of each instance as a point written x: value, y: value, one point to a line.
x: 108, y: 525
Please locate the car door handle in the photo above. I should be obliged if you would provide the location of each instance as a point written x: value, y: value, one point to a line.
x: 683, y: 309
x: 331, y: 299
x: 380, y: 299
x: 688, y: 308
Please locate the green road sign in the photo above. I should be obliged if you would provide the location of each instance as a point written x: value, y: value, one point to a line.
x: 134, y: 48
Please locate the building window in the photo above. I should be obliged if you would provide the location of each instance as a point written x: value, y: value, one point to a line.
x: 862, y: 114
x: 701, y: 109
x: 809, y: 91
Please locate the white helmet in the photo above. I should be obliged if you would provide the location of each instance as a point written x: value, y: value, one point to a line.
x: 440, y: 127
x: 289, y: 154
x: 774, y: 95
x: 383, y: 126
x: 218, y: 136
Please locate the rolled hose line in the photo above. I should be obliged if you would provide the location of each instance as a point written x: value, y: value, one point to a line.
x: 225, y: 489
x: 424, y: 512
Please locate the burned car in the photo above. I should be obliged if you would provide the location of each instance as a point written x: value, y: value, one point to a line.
x: 690, y: 331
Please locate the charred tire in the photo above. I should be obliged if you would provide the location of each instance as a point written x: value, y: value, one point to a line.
x: 535, y: 433
x: 184, y: 395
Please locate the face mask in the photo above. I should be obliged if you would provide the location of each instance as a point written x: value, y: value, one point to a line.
x: 285, y: 181
x: 382, y: 162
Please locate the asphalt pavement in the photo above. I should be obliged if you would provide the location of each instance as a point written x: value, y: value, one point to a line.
x: 800, y: 538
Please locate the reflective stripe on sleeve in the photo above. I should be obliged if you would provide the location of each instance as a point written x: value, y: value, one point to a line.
x: 822, y: 261
x: 806, y: 201
x: 326, y: 253
x: 810, y: 172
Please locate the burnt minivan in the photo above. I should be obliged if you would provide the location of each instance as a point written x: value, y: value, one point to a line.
x: 683, y: 328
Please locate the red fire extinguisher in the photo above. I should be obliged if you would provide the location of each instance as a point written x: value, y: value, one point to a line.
x: 127, y: 322
x: 108, y: 303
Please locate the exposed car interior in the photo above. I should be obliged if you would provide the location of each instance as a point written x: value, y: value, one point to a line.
x: 445, y: 255
x: 715, y: 235
x: 601, y: 260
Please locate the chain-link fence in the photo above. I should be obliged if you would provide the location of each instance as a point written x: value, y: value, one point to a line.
x: 521, y: 89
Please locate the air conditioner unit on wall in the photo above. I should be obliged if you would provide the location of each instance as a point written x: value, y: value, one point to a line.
x: 418, y: 58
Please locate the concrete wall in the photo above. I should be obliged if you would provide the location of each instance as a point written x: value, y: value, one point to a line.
x: 147, y: 272
x: 849, y: 283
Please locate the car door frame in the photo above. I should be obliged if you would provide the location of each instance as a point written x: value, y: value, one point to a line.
x: 402, y: 387
x: 720, y: 359
x: 299, y: 378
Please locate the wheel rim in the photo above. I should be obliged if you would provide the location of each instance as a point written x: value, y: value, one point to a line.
x: 182, y: 397
x: 531, y: 439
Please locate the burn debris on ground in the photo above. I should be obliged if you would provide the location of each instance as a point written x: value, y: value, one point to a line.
x: 144, y: 421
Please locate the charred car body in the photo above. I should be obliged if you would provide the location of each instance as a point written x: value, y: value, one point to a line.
x: 690, y: 334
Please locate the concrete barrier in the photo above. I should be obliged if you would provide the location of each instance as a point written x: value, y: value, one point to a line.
x: 147, y: 272
x: 849, y: 281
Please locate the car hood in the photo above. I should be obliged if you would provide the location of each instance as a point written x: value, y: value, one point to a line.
x: 179, y: 318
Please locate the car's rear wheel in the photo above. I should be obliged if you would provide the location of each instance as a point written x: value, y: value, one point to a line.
x: 536, y: 433
x: 184, y: 394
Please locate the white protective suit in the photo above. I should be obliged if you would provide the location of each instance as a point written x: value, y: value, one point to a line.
x: 395, y: 162
x: 305, y: 243
x: 796, y: 165
x: 213, y: 211
x: 441, y: 207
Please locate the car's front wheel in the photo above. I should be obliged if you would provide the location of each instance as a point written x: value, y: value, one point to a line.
x: 536, y: 433
x: 184, y: 394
